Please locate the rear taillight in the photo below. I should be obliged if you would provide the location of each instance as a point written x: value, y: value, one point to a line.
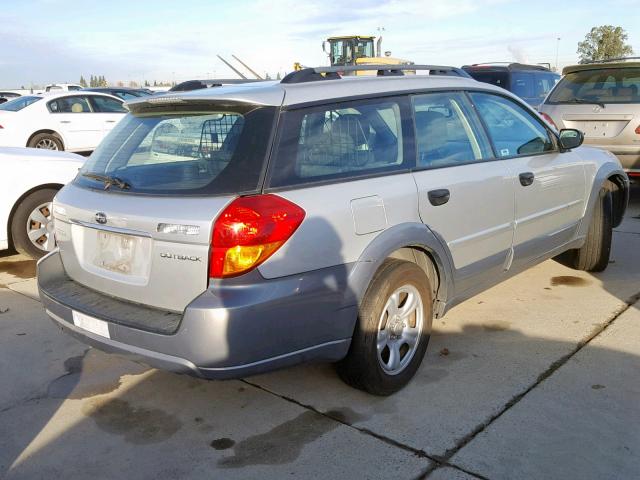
x: 637, y: 129
x: 249, y: 231
x: 549, y: 120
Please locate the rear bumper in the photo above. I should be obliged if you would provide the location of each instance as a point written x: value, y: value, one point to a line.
x: 245, y: 327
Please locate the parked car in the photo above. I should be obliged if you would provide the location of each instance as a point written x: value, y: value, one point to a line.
x: 6, y: 96
x: 120, y: 92
x: 72, y: 121
x: 28, y: 182
x: 530, y: 82
x: 230, y: 231
x: 62, y: 87
x: 603, y: 101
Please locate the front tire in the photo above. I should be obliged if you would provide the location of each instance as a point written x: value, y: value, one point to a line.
x: 32, y: 224
x: 594, y: 255
x: 393, y: 329
x: 46, y: 141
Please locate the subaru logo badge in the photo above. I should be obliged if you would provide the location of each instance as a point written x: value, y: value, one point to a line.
x: 101, y: 218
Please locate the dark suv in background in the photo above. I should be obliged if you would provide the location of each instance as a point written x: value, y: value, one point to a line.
x: 529, y: 82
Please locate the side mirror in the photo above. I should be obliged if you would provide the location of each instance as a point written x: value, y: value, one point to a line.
x: 324, y: 48
x: 570, y: 138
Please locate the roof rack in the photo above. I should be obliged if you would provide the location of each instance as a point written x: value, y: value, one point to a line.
x: 333, y: 73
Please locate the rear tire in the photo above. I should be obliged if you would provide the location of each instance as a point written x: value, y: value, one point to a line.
x: 387, y: 324
x: 594, y: 255
x: 46, y: 141
x: 31, y: 225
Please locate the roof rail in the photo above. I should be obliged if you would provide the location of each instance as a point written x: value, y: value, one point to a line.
x: 333, y: 73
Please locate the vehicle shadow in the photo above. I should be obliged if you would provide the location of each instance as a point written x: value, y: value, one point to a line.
x: 121, y: 421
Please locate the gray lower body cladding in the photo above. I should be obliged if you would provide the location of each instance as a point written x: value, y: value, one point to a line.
x: 236, y: 328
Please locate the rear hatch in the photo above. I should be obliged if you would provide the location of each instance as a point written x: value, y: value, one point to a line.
x: 601, y: 101
x: 136, y: 222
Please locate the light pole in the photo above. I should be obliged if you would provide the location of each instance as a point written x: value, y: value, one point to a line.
x: 557, y: 50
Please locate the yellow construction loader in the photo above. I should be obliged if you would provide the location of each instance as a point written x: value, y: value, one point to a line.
x: 357, y: 50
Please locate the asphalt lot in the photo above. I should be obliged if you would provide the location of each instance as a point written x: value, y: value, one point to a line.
x: 537, y: 378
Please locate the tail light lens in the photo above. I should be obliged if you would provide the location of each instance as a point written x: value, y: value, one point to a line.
x: 549, y: 120
x: 637, y: 129
x: 249, y: 231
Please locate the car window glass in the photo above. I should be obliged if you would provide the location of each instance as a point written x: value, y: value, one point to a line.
x: 447, y: 131
x: 73, y: 88
x: 544, y: 82
x: 500, y: 79
x: 212, y: 152
x: 107, y: 105
x: 126, y: 95
x: 70, y: 105
x: 340, y: 140
x: 19, y: 103
x: 606, y: 85
x: 513, y: 129
x: 522, y: 84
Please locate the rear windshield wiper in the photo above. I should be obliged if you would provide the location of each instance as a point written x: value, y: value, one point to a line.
x: 108, y: 181
x: 585, y: 102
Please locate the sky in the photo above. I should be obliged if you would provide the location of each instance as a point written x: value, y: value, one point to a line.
x: 46, y: 41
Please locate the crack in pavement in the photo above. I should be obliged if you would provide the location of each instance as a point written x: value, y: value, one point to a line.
x: 365, y: 431
x: 541, y: 378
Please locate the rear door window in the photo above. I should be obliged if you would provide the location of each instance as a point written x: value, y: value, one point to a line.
x: 342, y: 140
x: 447, y: 131
x: 79, y: 104
x: 514, y: 130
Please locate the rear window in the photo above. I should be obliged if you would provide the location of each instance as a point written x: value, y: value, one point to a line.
x: 19, y: 103
x: 608, y: 85
x: 341, y: 140
x: 211, y: 152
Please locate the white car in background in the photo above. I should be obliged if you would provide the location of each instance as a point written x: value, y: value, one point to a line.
x: 71, y: 121
x: 29, y: 179
x: 68, y: 87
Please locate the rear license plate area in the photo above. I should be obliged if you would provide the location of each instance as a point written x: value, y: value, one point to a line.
x: 116, y: 252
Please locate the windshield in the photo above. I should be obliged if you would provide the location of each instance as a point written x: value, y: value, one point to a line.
x: 18, y: 103
x: 610, y: 85
x: 212, y: 152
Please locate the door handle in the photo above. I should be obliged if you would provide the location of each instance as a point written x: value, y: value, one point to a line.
x: 526, y: 178
x: 65, y: 121
x: 110, y: 121
x: 439, y: 197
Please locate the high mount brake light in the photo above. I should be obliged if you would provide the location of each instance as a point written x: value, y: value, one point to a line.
x: 248, y: 231
x: 549, y: 120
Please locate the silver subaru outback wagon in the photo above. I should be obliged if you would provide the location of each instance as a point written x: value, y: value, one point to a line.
x: 231, y: 231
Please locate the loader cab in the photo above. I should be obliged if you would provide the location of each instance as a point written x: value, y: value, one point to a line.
x: 346, y: 50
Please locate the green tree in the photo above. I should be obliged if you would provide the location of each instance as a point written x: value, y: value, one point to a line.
x: 92, y: 81
x: 604, y: 42
x: 83, y: 82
